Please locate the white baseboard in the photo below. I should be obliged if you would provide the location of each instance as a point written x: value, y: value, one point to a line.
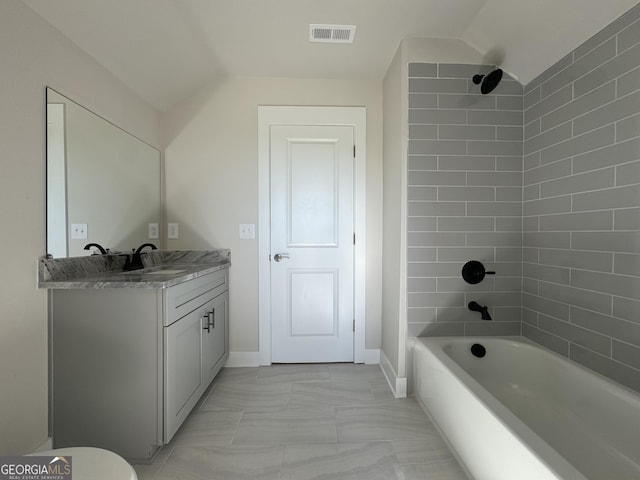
x: 398, y: 384
x: 243, y: 359
x: 372, y: 356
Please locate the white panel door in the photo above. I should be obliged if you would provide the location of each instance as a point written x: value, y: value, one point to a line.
x: 311, y: 243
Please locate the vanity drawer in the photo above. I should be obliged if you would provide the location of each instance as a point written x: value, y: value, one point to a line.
x: 184, y: 298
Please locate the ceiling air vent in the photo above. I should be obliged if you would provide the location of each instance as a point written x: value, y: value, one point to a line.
x: 332, y: 33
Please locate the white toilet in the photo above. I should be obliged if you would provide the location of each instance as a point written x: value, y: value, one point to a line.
x: 90, y: 463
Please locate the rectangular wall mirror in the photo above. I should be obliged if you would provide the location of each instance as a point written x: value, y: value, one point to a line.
x: 103, y: 184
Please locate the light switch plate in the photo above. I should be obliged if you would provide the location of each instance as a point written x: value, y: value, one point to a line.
x: 79, y: 231
x: 247, y: 231
x: 173, y: 230
x: 154, y: 230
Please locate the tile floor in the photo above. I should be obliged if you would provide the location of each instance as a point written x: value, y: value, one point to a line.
x: 303, y: 422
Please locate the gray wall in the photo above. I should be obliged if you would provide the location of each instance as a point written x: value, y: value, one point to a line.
x: 581, y: 207
x: 464, y: 193
x: 393, y: 309
x: 33, y: 54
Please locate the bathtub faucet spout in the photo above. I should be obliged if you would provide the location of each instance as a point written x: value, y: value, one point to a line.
x: 484, y: 311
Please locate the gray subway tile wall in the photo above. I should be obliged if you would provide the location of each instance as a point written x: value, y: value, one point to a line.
x: 542, y: 184
x: 581, y: 194
x: 465, y: 200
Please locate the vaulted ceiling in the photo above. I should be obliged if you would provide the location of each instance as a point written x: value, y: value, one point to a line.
x: 166, y: 49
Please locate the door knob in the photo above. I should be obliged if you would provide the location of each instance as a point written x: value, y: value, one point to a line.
x: 279, y: 256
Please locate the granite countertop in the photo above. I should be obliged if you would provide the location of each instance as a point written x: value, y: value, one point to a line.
x: 162, y: 270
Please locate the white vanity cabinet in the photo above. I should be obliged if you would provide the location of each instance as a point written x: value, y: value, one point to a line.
x: 196, y: 345
x: 129, y: 364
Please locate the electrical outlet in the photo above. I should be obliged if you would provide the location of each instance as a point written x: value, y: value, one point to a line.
x: 154, y: 230
x: 247, y: 231
x: 173, y: 230
x: 79, y: 231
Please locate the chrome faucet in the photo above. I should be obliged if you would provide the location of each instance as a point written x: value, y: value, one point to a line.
x: 484, y: 311
x: 135, y: 261
x: 97, y: 245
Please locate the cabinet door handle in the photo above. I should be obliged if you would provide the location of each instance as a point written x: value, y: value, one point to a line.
x: 207, y: 324
x: 212, y: 318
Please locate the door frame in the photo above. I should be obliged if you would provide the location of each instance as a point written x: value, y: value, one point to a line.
x: 299, y: 115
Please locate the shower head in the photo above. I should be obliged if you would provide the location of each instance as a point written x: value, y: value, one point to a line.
x: 489, y: 82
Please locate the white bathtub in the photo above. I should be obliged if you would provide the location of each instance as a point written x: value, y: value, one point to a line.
x: 522, y: 412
